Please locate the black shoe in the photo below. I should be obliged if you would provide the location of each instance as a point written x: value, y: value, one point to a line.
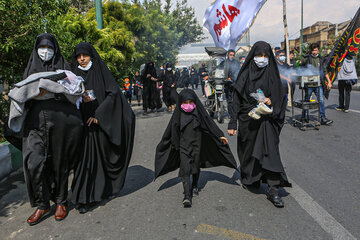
x: 325, y: 121
x: 187, y: 202
x: 196, y: 191
x: 83, y: 208
x: 276, y: 200
x: 145, y: 113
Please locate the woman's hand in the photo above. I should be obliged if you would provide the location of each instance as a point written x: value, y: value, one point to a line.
x: 224, y: 140
x: 91, y: 120
x: 232, y: 132
x: 267, y: 101
x: 148, y: 75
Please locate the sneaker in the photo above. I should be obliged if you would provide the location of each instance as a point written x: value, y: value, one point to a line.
x: 187, y: 202
x: 196, y: 191
x: 346, y: 110
x: 325, y: 121
x: 339, y: 109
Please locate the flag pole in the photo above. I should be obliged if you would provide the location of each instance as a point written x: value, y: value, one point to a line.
x: 286, y: 33
x: 302, y: 27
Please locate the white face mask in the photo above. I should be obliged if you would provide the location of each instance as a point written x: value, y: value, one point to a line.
x: 87, y: 66
x: 169, y: 69
x: 45, y: 53
x: 282, y: 58
x: 316, y: 55
x: 261, y: 61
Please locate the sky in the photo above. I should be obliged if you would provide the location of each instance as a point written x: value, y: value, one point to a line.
x: 269, y: 27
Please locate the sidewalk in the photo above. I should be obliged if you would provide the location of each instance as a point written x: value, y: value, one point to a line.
x: 10, y: 159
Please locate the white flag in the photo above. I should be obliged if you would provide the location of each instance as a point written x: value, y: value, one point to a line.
x: 228, y: 20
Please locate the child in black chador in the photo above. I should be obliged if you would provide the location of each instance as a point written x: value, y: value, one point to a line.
x: 191, y: 141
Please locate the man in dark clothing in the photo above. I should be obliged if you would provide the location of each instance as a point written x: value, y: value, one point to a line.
x: 315, y: 61
x: 194, y: 78
x: 203, y: 73
x: 232, y: 68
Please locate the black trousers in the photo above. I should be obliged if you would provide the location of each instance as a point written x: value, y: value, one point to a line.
x: 186, y: 183
x: 344, y: 94
x: 202, y: 87
x: 51, y: 147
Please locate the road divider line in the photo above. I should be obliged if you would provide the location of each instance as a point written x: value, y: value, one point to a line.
x: 319, y: 214
x: 357, y: 111
x: 225, y: 233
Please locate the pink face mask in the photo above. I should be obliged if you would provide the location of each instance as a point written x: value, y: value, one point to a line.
x: 188, y: 107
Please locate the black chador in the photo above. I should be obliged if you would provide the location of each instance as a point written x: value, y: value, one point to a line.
x: 191, y: 141
x: 151, y: 93
x: 169, y: 87
x: 108, y: 143
x: 51, y: 136
x: 258, y: 140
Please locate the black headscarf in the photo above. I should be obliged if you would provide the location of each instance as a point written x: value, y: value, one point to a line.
x: 213, y: 151
x: 150, y: 69
x: 115, y: 115
x: 36, y: 64
x: 251, y: 77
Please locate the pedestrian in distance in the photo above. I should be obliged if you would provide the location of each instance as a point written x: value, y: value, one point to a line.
x: 203, y: 74
x: 109, y: 128
x: 151, y: 93
x: 138, y: 87
x: 346, y: 77
x: 191, y: 141
x: 128, y: 90
x: 258, y: 140
x: 316, y: 62
x: 169, y: 87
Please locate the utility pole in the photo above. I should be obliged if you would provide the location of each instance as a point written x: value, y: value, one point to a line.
x: 98, y: 14
x: 302, y: 27
x: 286, y: 33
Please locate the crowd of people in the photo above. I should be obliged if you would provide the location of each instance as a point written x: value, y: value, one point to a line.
x: 76, y: 117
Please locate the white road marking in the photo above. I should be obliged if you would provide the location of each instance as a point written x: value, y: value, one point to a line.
x: 319, y: 214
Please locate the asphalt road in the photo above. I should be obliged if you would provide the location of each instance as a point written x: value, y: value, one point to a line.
x: 323, y: 166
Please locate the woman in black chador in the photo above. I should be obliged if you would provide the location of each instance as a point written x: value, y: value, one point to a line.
x: 191, y: 141
x: 52, y: 133
x: 108, y: 132
x: 169, y: 88
x: 151, y: 94
x: 258, y: 140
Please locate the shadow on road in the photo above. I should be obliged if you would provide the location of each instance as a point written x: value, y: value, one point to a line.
x: 11, y: 183
x: 137, y: 178
x: 205, y: 177
x: 261, y: 190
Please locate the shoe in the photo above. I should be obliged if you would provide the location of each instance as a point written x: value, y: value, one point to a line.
x: 37, y: 216
x: 196, y: 191
x: 145, y: 113
x: 83, y: 208
x: 61, y: 212
x: 346, y: 110
x: 187, y: 202
x: 339, y: 109
x: 325, y: 121
x: 276, y: 200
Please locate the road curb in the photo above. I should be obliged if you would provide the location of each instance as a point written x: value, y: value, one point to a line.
x: 10, y: 159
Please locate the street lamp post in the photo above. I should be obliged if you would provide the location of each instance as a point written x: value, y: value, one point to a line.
x: 98, y: 14
x: 302, y: 27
